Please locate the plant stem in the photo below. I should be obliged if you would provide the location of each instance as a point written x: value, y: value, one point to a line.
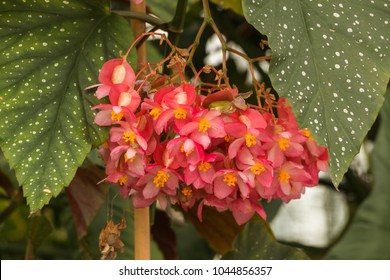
x: 141, y: 215
x: 177, y: 24
x: 140, y: 16
x: 138, y: 27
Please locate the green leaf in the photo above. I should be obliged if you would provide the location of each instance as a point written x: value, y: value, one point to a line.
x: 256, y: 242
x: 369, y: 234
x: 165, y: 10
x: 39, y: 228
x: 51, y: 51
x: 331, y: 60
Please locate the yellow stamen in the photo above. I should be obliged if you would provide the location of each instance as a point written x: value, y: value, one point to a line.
x: 306, y: 132
x: 250, y: 140
x: 183, y: 151
x: 227, y: 138
x: 186, y: 192
x: 257, y: 168
x: 283, y: 143
x: 284, y: 177
x: 161, y: 178
x: 180, y: 114
x: 155, y: 113
x: 230, y: 179
x: 121, y: 180
x: 116, y: 116
x: 129, y: 159
x: 129, y: 137
x: 204, y: 166
x: 204, y: 125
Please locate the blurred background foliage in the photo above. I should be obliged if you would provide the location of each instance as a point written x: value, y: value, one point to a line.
x: 348, y: 223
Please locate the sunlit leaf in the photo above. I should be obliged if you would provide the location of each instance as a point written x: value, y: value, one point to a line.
x: 51, y: 51
x: 256, y: 242
x: 331, y: 59
x: 369, y: 234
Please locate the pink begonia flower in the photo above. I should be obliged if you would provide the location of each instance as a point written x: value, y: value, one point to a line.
x: 115, y: 72
x: 286, y: 116
x: 201, y: 175
x: 154, y: 110
x: 260, y: 173
x: 139, y: 201
x: 185, y: 151
x: 145, y: 124
x: 188, y: 196
x: 290, y: 180
x: 175, y: 103
x: 110, y: 115
x: 205, y: 125
x: 158, y: 179
x: 285, y: 144
x: 124, y: 181
x: 314, y: 152
x: 230, y: 182
x: 130, y: 159
x: 244, y: 209
x: 248, y: 131
x: 171, y: 97
x: 127, y: 134
x: 124, y: 96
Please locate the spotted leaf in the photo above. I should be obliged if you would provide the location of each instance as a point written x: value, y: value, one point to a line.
x: 331, y: 60
x: 50, y: 51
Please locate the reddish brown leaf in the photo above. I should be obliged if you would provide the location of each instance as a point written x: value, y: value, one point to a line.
x: 86, y: 197
x: 218, y: 228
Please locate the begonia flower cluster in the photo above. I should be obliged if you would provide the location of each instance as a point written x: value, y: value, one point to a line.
x: 175, y: 146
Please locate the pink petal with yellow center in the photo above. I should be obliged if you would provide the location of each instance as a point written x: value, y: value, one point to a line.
x: 221, y: 189
x: 103, y: 118
x: 150, y: 190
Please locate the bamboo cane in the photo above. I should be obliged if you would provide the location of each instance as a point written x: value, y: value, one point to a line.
x: 141, y: 215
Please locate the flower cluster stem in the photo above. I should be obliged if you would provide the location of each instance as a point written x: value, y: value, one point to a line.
x: 141, y: 215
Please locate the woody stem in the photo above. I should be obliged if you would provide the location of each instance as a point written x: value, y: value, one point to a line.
x: 141, y: 215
